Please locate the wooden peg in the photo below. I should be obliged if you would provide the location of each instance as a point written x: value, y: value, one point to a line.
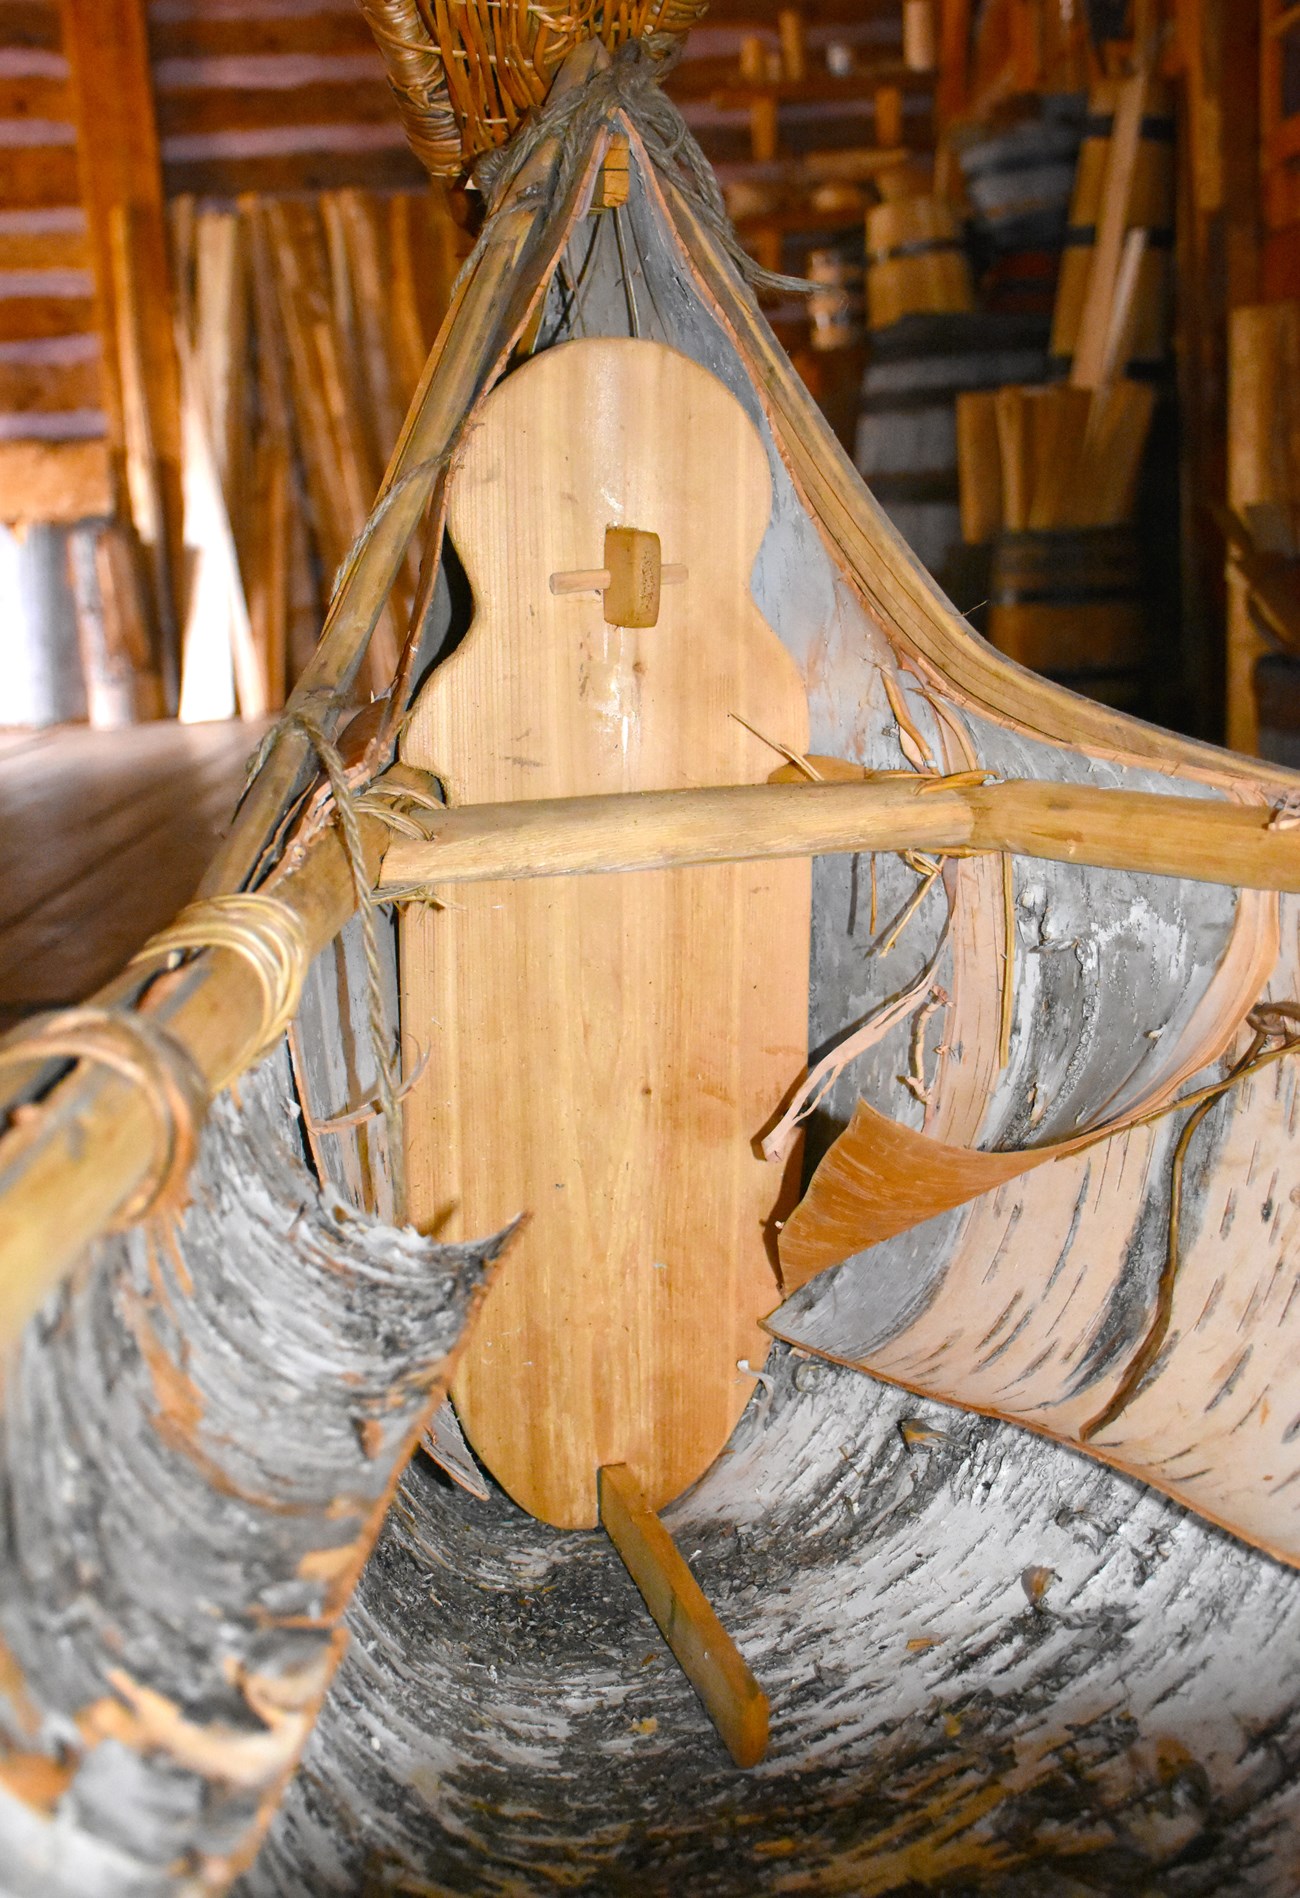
x: 630, y: 579
x: 704, y: 1651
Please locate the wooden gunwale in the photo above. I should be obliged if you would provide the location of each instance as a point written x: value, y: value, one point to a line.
x: 66, y: 1170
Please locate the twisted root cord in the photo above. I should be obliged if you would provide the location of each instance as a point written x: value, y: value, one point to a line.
x: 143, y: 1053
x: 388, y: 1092
x: 1277, y: 1034
x: 266, y: 933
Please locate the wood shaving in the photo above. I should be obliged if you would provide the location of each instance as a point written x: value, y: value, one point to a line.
x: 910, y: 741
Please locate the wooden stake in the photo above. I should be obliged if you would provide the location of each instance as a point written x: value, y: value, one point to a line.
x: 1117, y: 190
x: 979, y: 466
x: 705, y: 1652
x: 121, y: 188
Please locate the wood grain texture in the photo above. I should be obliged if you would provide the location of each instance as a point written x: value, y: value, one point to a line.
x: 602, y: 1057
x: 1240, y: 845
x: 710, y: 1660
x: 54, y: 481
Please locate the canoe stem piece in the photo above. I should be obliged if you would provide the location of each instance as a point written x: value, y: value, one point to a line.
x: 704, y: 1651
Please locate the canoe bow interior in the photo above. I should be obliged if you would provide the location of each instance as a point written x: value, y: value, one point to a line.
x: 996, y: 1664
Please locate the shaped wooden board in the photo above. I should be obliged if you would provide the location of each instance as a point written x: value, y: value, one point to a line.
x: 604, y: 1050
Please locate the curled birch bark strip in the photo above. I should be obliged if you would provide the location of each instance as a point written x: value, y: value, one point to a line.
x: 200, y: 1440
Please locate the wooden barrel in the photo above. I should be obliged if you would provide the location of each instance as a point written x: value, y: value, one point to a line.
x: 835, y: 307
x: 906, y: 446
x: 1022, y: 283
x: 1151, y: 208
x: 1019, y: 178
x: 916, y: 261
x: 1069, y: 604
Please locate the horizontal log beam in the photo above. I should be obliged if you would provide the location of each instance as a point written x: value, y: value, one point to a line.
x: 1207, y: 841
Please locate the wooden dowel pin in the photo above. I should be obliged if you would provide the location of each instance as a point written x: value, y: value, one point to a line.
x: 630, y: 578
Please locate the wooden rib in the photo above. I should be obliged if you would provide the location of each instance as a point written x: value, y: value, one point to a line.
x: 705, y: 1652
x: 979, y: 466
x: 1121, y: 161
x: 1119, y: 830
x: 1007, y: 990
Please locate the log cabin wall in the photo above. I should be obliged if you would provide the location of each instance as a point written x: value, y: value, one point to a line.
x: 232, y: 175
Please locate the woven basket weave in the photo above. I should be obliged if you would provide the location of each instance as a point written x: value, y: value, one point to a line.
x: 466, y: 72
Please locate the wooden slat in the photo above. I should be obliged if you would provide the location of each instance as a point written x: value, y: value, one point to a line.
x: 54, y: 481
x: 44, y: 250
x: 1263, y: 469
x: 49, y: 388
x: 193, y: 110
x: 32, y: 23
x: 35, y: 97
x: 26, y: 319
x: 230, y: 178
x: 196, y: 38
x: 39, y: 177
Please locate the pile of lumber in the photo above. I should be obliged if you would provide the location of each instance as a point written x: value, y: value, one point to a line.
x: 1040, y: 459
x: 302, y: 329
x: 1069, y: 455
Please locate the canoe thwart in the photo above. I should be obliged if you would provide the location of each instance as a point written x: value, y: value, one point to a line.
x: 703, y: 1649
x: 1247, y: 846
x: 630, y: 579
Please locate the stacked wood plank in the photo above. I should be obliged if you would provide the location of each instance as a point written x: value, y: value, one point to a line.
x: 1263, y: 524
x: 304, y: 325
x: 257, y: 96
x: 1049, y: 475
x: 53, y: 457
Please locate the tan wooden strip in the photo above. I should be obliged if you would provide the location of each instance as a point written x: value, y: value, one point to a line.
x: 27, y: 319
x: 39, y: 177
x: 230, y: 178
x: 705, y: 1652
x: 54, y: 481
x: 318, y: 33
x: 189, y: 110
x: 1263, y: 479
